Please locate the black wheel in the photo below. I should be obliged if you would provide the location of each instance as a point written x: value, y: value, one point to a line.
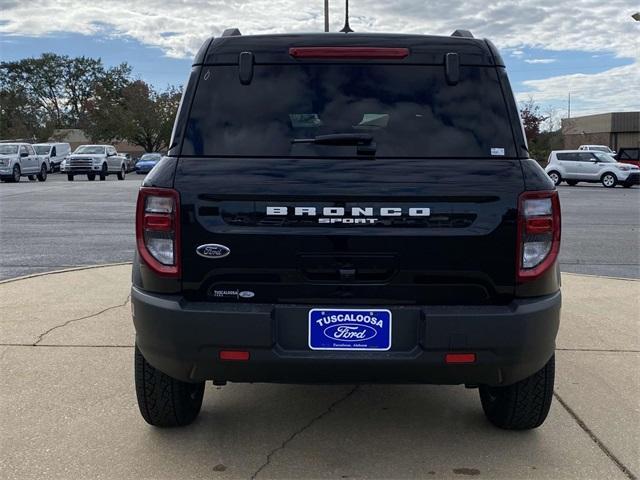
x: 32, y: 178
x: 165, y: 401
x: 523, y: 405
x: 572, y: 183
x: 103, y: 172
x: 42, y: 176
x: 15, y: 177
x: 70, y: 177
x: 609, y: 180
x: 121, y: 174
x: 555, y: 177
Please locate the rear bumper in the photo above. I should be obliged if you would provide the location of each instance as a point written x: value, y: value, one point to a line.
x: 184, y: 339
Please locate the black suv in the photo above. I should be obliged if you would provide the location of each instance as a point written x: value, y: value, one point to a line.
x: 347, y: 208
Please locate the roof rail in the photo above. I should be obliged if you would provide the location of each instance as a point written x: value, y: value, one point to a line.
x: 231, y: 32
x: 462, y: 33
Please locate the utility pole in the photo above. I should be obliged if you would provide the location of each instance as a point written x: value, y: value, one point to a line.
x: 326, y: 15
x: 569, y: 106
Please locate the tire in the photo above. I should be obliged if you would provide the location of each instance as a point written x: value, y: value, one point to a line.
x: 627, y: 185
x: 70, y: 177
x: 609, y: 180
x: 122, y: 173
x: 523, y: 405
x: 91, y: 177
x: 104, y: 172
x: 42, y: 176
x: 555, y: 177
x: 163, y: 400
x: 15, y: 176
x: 572, y: 183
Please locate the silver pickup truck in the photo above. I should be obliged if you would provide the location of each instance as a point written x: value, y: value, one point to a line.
x: 92, y: 160
x: 19, y: 160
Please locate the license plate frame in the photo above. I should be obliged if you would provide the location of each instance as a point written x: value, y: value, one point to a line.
x: 350, y: 329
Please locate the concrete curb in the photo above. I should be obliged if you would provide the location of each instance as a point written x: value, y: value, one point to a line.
x: 64, y: 270
x: 600, y: 276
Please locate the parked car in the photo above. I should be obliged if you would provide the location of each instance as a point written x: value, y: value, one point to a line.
x: 345, y: 233
x: 147, y: 162
x: 596, y: 148
x: 629, y: 155
x: 575, y: 166
x: 92, y: 160
x: 20, y: 160
x: 56, y: 153
x: 130, y: 162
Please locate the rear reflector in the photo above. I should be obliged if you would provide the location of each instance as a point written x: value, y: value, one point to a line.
x: 349, y: 52
x: 460, y: 358
x: 234, y: 355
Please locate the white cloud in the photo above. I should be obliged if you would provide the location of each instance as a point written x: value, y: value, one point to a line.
x: 179, y: 28
x: 540, y: 60
x: 587, y: 25
x: 613, y: 90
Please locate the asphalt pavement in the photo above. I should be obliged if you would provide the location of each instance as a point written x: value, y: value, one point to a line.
x: 59, y: 224
x: 69, y: 409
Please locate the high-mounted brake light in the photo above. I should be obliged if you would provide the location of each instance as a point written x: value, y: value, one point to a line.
x: 380, y: 53
x: 538, y: 233
x: 158, y: 230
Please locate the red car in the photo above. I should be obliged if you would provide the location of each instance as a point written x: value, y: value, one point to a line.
x: 629, y: 155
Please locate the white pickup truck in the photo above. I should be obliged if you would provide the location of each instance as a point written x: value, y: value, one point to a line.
x: 19, y: 160
x: 94, y: 160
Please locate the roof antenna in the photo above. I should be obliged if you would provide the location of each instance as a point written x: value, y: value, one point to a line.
x: 346, y: 28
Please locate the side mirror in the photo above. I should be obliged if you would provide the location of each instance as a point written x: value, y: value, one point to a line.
x: 24, y: 154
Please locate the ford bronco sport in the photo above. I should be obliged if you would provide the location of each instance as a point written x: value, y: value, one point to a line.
x: 347, y: 208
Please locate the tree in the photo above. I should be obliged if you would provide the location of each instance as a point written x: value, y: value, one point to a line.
x: 531, y: 119
x: 138, y: 114
x: 52, y: 91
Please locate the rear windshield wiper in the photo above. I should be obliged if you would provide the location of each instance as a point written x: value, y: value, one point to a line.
x: 363, y: 141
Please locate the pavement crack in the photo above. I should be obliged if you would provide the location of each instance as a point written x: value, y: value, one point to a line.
x: 310, y: 423
x: 73, y: 320
x: 595, y: 439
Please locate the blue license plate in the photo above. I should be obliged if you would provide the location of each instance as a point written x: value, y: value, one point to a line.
x: 349, y: 329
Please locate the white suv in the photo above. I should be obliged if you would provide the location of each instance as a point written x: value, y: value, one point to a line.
x: 597, y: 148
x: 575, y: 166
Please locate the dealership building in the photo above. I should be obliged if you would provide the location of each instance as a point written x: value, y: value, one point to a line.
x: 617, y: 130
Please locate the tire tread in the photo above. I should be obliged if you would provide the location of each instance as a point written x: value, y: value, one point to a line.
x: 165, y: 401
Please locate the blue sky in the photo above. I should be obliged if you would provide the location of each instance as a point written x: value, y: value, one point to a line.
x: 587, y: 47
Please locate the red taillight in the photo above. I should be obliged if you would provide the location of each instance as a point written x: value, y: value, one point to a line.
x: 349, y: 52
x: 158, y: 230
x: 538, y: 233
x: 460, y: 358
x: 234, y: 355
x: 163, y: 223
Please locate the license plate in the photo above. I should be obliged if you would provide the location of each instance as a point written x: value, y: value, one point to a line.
x: 349, y: 329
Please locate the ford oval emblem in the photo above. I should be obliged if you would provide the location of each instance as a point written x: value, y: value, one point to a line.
x: 213, y: 250
x: 350, y: 332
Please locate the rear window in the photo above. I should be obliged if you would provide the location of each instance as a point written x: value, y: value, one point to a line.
x: 410, y: 111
